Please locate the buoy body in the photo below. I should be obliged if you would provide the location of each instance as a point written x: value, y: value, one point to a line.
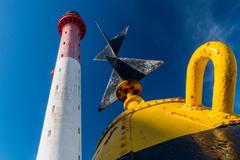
x: 175, y: 128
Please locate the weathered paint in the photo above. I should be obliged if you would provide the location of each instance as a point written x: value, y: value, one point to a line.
x: 145, y: 124
x: 61, y: 133
x: 62, y: 116
x: 225, y: 72
x: 127, y: 88
x: 123, y: 68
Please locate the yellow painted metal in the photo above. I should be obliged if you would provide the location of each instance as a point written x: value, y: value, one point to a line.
x: 132, y: 101
x: 146, y: 123
x: 225, y: 71
x: 153, y: 122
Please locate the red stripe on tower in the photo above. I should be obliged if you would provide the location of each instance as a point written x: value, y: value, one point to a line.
x: 72, y: 29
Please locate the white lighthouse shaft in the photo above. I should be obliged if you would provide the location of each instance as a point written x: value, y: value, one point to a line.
x: 61, y: 133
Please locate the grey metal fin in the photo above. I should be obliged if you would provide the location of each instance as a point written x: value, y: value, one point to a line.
x: 142, y: 65
x: 124, y: 70
x: 109, y: 95
x: 107, y: 51
x: 113, y: 46
x: 117, y: 41
x: 131, y: 68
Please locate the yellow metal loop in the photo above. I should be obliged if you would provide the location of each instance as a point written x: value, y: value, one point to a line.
x: 225, y: 72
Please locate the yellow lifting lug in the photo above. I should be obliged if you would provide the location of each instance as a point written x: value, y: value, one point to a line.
x: 225, y: 72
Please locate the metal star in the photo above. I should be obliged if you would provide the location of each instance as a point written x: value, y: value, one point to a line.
x: 123, y: 68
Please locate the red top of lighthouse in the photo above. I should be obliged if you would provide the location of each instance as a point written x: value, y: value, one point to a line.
x: 72, y: 17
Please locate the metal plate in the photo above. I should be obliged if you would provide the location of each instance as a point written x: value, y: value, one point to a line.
x: 221, y: 143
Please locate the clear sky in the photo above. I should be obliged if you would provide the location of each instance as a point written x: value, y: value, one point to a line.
x: 169, y: 30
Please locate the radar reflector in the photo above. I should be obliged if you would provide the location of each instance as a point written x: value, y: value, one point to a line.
x: 123, y: 68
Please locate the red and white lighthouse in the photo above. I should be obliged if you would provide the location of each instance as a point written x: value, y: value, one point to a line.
x: 61, y: 133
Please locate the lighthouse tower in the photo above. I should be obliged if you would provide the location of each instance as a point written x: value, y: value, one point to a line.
x: 61, y: 133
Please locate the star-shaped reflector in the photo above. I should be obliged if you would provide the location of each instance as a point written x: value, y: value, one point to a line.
x: 123, y: 68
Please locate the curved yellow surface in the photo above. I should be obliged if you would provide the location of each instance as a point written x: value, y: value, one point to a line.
x: 145, y: 124
x: 153, y: 122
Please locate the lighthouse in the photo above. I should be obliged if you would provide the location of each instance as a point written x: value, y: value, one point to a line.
x: 61, y: 133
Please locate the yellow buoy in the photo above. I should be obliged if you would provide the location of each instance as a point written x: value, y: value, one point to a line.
x: 175, y: 128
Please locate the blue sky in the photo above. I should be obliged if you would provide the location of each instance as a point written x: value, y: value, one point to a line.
x: 167, y: 30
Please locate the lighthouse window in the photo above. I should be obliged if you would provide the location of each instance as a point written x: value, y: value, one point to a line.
x: 65, y: 32
x: 78, y: 107
x: 53, y: 108
x: 78, y: 130
x: 64, y: 43
x: 78, y: 157
x: 56, y: 87
x: 59, y: 69
x: 49, y: 133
